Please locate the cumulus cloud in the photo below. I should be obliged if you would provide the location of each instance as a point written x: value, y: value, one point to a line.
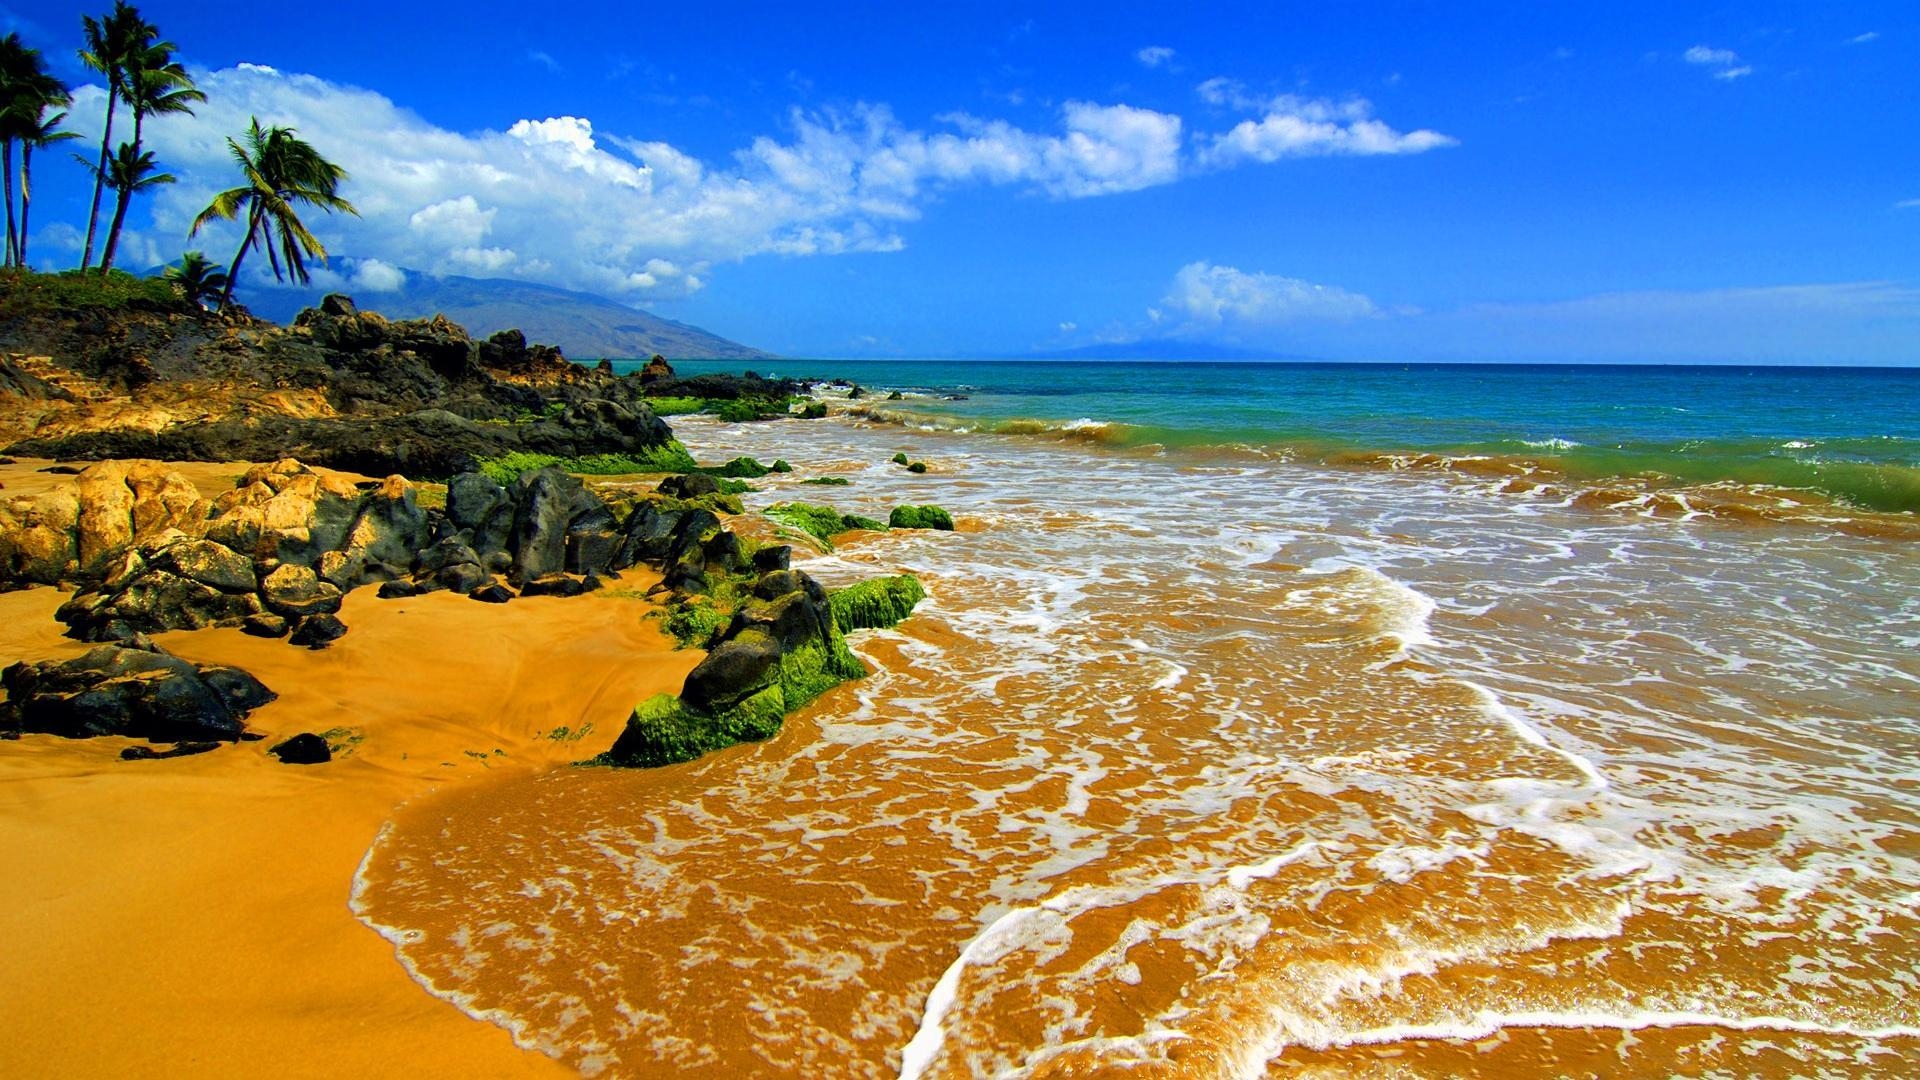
x: 1207, y: 297
x: 1725, y: 60
x: 1154, y: 56
x: 1293, y: 127
x: 557, y: 200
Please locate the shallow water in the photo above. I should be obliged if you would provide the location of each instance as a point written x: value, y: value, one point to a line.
x: 1216, y: 765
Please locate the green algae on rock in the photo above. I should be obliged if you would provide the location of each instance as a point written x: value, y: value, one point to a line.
x: 920, y: 517
x: 821, y: 522
x: 781, y: 650
x: 877, y: 603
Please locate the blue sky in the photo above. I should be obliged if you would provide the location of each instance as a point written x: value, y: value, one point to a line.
x: 1733, y: 182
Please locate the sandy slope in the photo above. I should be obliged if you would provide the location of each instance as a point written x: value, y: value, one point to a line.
x: 189, y: 917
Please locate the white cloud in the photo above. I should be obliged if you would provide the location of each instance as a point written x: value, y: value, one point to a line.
x: 1069, y: 327
x: 1726, y: 60
x: 1907, y: 204
x: 1154, y: 56
x: 1307, y: 127
x: 1206, y: 297
x: 545, y: 60
x: 1862, y: 39
x: 1701, y: 54
x: 553, y: 199
x: 372, y: 275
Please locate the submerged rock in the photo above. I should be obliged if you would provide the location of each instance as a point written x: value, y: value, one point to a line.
x: 920, y: 517
x: 876, y: 603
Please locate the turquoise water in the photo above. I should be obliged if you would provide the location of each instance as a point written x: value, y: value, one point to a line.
x: 1850, y: 433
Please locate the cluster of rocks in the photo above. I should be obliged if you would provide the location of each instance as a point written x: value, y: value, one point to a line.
x: 131, y: 688
x: 341, y: 388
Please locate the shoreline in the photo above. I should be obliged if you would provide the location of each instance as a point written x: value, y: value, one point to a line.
x: 193, y: 914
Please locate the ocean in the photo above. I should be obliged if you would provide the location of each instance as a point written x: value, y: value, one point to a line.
x: 1267, y: 720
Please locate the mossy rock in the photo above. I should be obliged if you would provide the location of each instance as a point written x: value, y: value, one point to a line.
x: 821, y: 522
x: 664, y: 730
x: 816, y: 410
x: 920, y: 517
x: 694, y: 625
x: 827, y: 481
x: 744, y: 466
x: 917, y: 467
x: 877, y: 603
x: 900, y: 458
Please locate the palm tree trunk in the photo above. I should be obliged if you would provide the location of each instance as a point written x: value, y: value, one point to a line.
x: 233, y: 270
x: 99, y: 178
x: 26, y: 196
x: 121, y: 199
x: 13, y: 237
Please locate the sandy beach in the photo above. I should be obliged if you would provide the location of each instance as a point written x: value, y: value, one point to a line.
x: 190, y: 916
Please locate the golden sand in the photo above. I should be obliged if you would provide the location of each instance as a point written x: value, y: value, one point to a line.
x: 189, y: 916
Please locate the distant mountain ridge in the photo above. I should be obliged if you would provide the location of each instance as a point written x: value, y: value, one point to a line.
x: 585, y: 326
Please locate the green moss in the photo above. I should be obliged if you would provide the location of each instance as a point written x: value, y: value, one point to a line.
x: 663, y: 730
x: 821, y: 522
x: 920, y: 517
x: 876, y: 603
x: 917, y: 467
x: 827, y: 481
x: 740, y: 466
x: 816, y: 410
x: 742, y: 410
x: 692, y: 625
x: 667, y: 457
x: 676, y: 406
x: 900, y: 458
x: 780, y: 466
x: 733, y: 487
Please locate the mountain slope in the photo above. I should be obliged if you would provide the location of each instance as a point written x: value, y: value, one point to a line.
x: 585, y: 326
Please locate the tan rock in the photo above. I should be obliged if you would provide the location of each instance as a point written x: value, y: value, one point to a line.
x: 104, y: 525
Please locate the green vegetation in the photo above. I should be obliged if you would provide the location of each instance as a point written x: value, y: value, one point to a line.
x: 813, y: 410
x: 827, y: 481
x: 669, y: 457
x: 741, y: 466
x: 565, y: 734
x: 676, y: 406
x: 821, y: 522
x: 663, y: 730
x: 281, y: 171
x: 343, y: 741
x: 75, y: 290
x: 876, y: 603
x: 198, y: 280
x: 900, y: 458
x: 742, y: 410
x: 920, y: 517
x: 917, y: 467
x: 692, y: 625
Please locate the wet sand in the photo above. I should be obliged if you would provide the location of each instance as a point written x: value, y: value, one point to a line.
x: 190, y: 916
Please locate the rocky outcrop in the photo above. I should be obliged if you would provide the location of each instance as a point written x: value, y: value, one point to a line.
x: 877, y: 603
x: 72, y: 534
x: 133, y: 689
x: 781, y: 650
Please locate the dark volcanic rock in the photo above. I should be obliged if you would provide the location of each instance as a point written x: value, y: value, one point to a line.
x: 135, y: 690
x: 462, y: 578
x: 265, y: 625
x: 296, y: 591
x: 185, y: 749
x: 546, y: 503
x: 491, y: 594
x: 318, y: 631
x: 305, y: 748
x: 688, y: 486
x: 554, y: 585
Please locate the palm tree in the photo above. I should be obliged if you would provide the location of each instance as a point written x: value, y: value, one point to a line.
x: 113, y: 42
x: 37, y: 135
x: 26, y: 92
x: 197, y: 278
x: 155, y: 84
x: 281, y: 171
x: 129, y: 171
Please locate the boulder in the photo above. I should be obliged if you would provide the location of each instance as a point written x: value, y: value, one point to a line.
x: 546, y: 504
x: 463, y: 578
x: 689, y: 486
x: 491, y: 594
x: 318, y: 631
x: 481, y: 509
x: 134, y: 689
x: 554, y: 585
x: 265, y: 625
x: 209, y: 564
x: 656, y: 370
x: 780, y: 651
x: 305, y: 748
x: 296, y: 592
x: 148, y: 753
